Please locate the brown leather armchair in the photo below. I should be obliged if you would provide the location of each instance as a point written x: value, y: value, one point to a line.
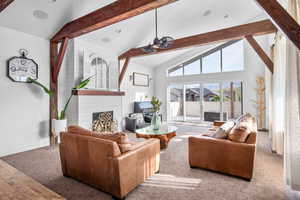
x: 223, y: 155
x: 100, y: 163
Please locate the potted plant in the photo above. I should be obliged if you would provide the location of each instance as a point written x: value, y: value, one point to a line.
x: 156, y: 119
x: 60, y: 123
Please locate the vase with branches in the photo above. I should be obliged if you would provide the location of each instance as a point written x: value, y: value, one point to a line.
x: 156, y: 118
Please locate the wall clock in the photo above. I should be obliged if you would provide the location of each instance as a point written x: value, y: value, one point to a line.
x: 19, y: 69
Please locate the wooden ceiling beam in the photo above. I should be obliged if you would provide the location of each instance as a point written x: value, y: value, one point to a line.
x: 223, y: 35
x: 4, y: 4
x: 260, y: 52
x: 60, y: 58
x: 110, y: 14
x: 123, y: 71
x: 282, y: 19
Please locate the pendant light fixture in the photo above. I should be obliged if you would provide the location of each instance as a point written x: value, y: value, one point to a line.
x: 163, y: 43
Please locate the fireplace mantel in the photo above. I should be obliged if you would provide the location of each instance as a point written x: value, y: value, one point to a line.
x: 97, y: 93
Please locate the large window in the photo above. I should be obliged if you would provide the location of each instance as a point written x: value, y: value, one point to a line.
x: 192, y: 68
x: 225, y: 58
x: 233, y: 57
x: 178, y: 71
x: 211, y: 63
x: 206, y: 102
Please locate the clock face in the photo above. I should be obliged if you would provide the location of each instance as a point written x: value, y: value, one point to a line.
x: 21, y: 68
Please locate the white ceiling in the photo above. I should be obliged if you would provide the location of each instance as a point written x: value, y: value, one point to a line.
x: 180, y: 19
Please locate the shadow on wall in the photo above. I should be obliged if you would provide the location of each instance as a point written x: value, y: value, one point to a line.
x: 36, y: 91
x: 44, y: 129
x: 39, y: 94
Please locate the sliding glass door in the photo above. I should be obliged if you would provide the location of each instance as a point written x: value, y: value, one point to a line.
x: 206, y: 101
x: 232, y: 99
x: 211, y: 102
x: 193, y: 95
x: 176, y: 101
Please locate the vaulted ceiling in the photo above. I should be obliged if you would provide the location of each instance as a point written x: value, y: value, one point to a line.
x: 180, y: 19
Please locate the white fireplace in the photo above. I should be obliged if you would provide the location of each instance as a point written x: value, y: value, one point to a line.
x: 83, y: 107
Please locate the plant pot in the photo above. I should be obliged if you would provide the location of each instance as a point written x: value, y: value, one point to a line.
x: 58, y: 126
x: 156, y: 121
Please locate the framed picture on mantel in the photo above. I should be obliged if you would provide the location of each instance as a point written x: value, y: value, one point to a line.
x: 140, y: 79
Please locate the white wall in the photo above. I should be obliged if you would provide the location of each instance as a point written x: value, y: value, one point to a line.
x: 253, y: 67
x: 24, y: 108
x: 72, y: 73
x: 132, y: 91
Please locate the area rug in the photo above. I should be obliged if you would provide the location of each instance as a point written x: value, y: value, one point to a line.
x: 176, y: 179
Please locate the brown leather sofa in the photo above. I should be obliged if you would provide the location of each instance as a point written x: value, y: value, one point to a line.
x: 100, y: 163
x: 223, y: 155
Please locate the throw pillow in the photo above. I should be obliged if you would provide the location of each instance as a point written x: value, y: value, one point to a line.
x: 223, y: 131
x: 240, y: 132
x: 120, y: 138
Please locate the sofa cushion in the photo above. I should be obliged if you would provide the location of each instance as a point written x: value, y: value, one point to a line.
x: 121, y: 138
x: 244, y: 117
x: 223, y: 131
x: 240, y: 132
x: 139, y: 118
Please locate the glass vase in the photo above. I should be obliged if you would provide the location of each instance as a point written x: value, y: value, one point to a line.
x: 156, y: 121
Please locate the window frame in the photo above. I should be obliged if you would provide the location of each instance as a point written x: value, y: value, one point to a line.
x: 200, y: 58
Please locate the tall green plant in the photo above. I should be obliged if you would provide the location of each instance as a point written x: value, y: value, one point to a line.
x: 62, y: 114
x: 46, y: 90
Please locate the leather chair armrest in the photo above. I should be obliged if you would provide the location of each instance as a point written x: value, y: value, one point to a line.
x: 134, y: 167
x: 130, y: 124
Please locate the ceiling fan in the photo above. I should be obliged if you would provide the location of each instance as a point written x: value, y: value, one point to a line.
x: 163, y: 43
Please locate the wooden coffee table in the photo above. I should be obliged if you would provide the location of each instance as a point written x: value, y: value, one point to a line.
x: 164, y: 134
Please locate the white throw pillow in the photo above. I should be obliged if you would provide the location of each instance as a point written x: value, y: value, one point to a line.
x: 223, y: 131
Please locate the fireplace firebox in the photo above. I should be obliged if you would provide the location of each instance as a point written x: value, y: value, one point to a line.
x: 104, y: 122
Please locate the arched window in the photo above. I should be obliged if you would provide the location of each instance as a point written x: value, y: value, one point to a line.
x: 99, y: 69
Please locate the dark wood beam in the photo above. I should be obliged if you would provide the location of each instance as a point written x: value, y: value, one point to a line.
x: 260, y: 52
x: 282, y: 19
x: 124, y: 69
x: 53, y: 87
x: 60, y: 58
x: 223, y: 35
x: 110, y: 14
x: 4, y: 4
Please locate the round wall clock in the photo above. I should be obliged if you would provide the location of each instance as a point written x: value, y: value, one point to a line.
x: 21, y: 68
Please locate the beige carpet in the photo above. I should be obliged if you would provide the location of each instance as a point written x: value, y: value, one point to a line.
x: 175, y: 181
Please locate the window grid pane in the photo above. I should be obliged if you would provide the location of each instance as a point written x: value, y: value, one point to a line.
x: 192, y: 68
x: 233, y: 57
x: 212, y: 63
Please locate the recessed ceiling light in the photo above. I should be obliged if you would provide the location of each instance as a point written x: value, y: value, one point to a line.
x: 206, y: 13
x: 105, y: 40
x: 226, y: 16
x: 40, y: 14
